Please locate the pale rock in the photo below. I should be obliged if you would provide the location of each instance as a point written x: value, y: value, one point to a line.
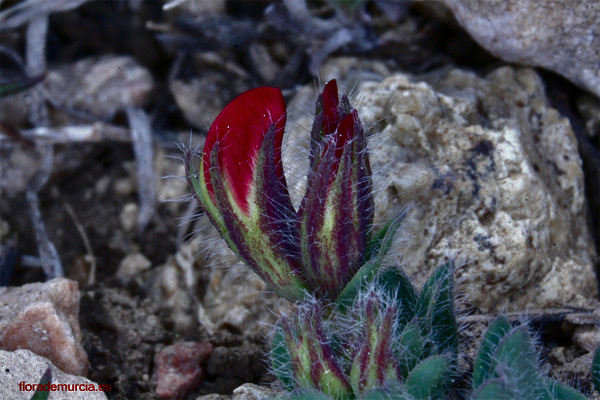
x: 124, y: 187
x: 133, y: 265
x: 25, y: 366
x: 169, y: 289
x: 562, y: 36
x: 43, y: 318
x: 101, y: 86
x: 494, y: 178
x: 250, y: 391
x: 247, y: 391
x: 129, y: 216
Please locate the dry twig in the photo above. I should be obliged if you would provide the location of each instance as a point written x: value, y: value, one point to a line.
x: 26, y: 11
x: 141, y: 135
x: 97, y: 132
x: 86, y: 241
x: 48, y: 255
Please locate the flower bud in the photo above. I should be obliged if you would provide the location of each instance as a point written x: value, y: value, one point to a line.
x: 312, y: 357
x: 337, y: 209
x: 373, y: 362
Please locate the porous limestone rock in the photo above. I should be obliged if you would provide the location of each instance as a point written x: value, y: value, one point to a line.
x: 43, y: 318
x: 132, y: 265
x: 563, y: 36
x: 27, y: 367
x: 494, y: 178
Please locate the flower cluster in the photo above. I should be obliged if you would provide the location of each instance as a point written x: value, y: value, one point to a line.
x: 361, y: 331
x: 241, y: 184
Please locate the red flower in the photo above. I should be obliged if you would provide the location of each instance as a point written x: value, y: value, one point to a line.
x: 242, y: 187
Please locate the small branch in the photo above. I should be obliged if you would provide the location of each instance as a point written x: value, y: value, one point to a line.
x: 172, y: 4
x: 97, y: 132
x: 86, y: 241
x: 298, y: 10
x: 25, y: 11
x: 35, y: 50
x: 35, y: 64
x: 141, y: 135
x: 48, y: 255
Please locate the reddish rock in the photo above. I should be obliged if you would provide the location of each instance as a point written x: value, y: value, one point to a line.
x: 179, y: 368
x: 43, y: 318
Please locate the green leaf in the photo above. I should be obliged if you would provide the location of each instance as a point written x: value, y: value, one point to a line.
x: 281, y: 359
x: 435, y: 310
x: 45, y: 380
x: 410, y: 348
x: 429, y: 379
x: 396, y: 285
x: 562, y: 392
x: 515, y: 361
x: 507, y: 368
x: 494, y: 389
x: 495, y: 332
x: 348, y: 295
x: 375, y: 252
x: 596, y: 369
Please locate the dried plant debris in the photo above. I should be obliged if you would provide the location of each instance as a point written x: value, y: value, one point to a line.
x: 207, y: 33
x: 348, y: 29
x: 141, y: 134
x: 49, y: 257
x: 26, y: 11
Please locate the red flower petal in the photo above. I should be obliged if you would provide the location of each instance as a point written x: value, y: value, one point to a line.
x: 331, y: 103
x: 240, y: 129
x: 345, y: 133
x: 340, y: 138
